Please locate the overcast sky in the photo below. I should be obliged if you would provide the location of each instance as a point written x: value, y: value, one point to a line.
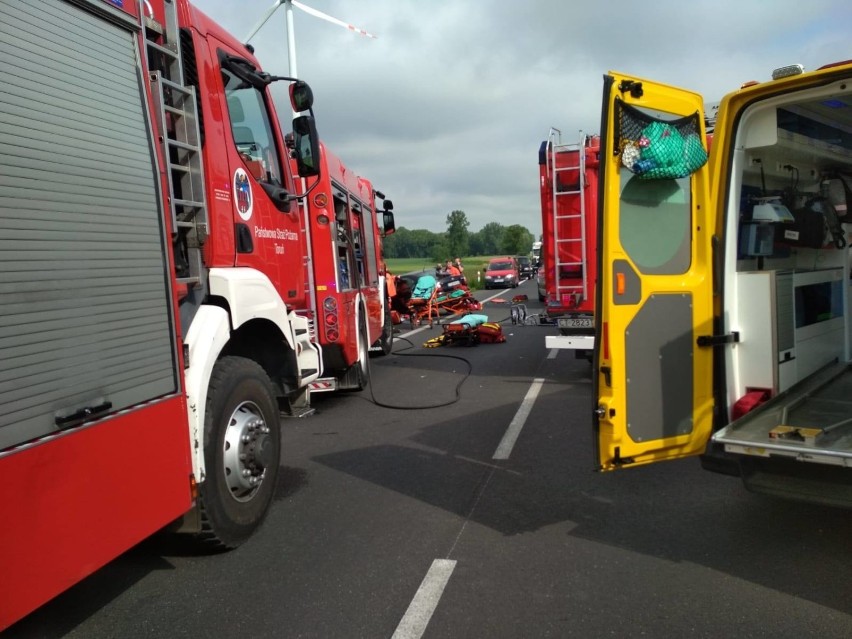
x: 447, y: 107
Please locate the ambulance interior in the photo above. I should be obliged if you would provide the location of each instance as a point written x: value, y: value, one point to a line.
x: 787, y: 278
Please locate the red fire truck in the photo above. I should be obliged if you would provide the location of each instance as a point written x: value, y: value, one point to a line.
x: 154, y: 286
x: 348, y: 294
x: 568, y: 180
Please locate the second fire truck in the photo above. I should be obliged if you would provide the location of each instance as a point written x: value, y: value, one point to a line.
x: 348, y: 294
x: 568, y: 182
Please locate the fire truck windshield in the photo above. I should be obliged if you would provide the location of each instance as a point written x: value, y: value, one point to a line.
x: 251, y: 128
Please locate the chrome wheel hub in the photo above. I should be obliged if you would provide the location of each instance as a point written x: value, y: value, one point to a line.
x: 248, y: 451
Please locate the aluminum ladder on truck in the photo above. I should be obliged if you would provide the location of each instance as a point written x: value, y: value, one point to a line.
x: 177, y: 116
x: 563, y: 236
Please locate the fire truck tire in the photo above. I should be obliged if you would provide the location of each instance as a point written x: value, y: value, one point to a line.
x: 385, y: 342
x: 242, y: 448
x: 357, y: 376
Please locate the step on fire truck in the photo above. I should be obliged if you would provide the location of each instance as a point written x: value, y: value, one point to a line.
x: 347, y: 289
x: 568, y: 182
x: 155, y: 319
x: 725, y: 316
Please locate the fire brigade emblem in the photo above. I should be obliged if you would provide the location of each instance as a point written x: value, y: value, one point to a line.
x: 242, y: 190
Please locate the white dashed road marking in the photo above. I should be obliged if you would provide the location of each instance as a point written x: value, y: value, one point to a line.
x: 508, y: 442
x: 420, y: 610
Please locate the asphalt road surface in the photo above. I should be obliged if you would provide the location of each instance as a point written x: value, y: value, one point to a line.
x: 455, y: 498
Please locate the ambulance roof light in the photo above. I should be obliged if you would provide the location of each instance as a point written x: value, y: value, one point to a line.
x: 786, y: 72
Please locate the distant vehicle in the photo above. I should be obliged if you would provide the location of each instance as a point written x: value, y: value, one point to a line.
x: 525, y: 267
x: 536, y: 253
x: 502, y: 272
x: 449, y: 283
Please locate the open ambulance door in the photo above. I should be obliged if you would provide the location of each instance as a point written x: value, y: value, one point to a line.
x: 653, y: 371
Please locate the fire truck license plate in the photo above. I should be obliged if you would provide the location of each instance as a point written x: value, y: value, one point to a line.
x: 574, y: 322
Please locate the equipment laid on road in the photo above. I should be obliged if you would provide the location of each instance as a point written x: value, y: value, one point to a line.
x: 458, y: 301
x: 469, y: 330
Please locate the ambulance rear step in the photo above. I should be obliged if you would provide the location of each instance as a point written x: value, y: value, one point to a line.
x: 811, y: 422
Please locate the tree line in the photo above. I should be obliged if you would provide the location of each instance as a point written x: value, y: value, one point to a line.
x: 458, y: 241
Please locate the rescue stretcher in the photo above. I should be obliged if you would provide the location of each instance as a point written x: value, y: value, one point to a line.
x: 428, y: 303
x: 469, y: 330
x: 457, y: 301
x: 423, y: 303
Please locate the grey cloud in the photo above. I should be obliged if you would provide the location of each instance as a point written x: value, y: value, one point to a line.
x: 446, y: 109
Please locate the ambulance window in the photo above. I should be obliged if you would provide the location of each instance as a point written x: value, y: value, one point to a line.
x: 654, y: 227
x: 251, y: 128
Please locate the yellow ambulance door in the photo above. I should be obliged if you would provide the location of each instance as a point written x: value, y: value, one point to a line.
x: 652, y: 382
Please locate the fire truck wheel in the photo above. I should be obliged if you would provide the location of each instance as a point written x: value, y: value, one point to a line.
x: 385, y: 342
x: 356, y: 377
x: 242, y: 446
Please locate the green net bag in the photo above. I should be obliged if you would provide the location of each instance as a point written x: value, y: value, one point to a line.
x: 657, y: 149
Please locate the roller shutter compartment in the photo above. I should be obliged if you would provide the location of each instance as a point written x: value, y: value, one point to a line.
x: 85, y: 319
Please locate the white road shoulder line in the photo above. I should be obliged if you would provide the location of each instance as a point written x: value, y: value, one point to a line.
x: 426, y: 599
x: 508, y: 442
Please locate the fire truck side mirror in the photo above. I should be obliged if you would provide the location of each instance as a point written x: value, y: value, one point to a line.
x: 301, y: 96
x: 278, y: 195
x: 388, y: 221
x: 306, y: 145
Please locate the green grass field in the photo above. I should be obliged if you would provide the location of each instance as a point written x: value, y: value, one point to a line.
x: 400, y: 265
